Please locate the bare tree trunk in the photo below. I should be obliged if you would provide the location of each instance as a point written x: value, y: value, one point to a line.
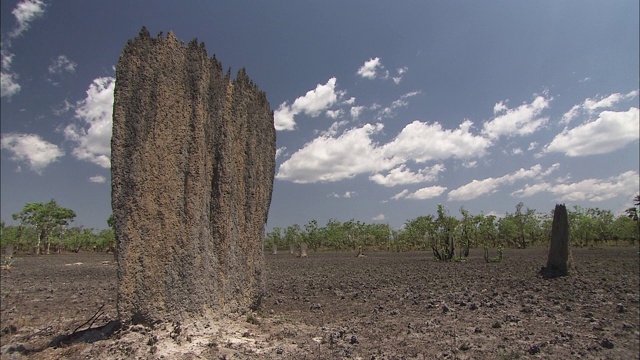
x: 274, y: 249
x: 38, y: 244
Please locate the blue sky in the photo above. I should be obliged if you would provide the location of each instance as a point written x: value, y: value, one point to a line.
x: 384, y: 109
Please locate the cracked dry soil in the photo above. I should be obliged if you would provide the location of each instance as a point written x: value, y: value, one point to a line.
x: 385, y: 305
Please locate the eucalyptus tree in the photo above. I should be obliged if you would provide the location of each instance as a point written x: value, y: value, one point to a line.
x: 468, y: 230
x: 311, y: 234
x: 634, y: 212
x: 443, y: 244
x: 274, y: 239
x: 488, y: 230
x: 44, y: 218
x: 292, y: 236
x: 419, y: 230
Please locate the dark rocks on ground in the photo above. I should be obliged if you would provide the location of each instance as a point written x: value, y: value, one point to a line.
x: 607, y: 344
x: 192, y: 174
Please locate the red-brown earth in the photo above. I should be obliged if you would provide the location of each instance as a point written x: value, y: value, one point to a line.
x: 385, y: 305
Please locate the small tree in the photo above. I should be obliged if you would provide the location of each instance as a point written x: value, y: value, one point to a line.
x: 443, y: 242
x: 633, y: 213
x: 44, y: 218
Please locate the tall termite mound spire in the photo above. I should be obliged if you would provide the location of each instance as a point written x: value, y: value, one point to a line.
x: 192, y: 166
x: 559, y: 261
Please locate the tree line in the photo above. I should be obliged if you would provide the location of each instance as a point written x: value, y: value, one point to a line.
x: 45, y: 228
x: 448, y: 236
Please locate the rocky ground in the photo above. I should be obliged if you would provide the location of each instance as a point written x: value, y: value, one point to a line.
x: 335, y: 305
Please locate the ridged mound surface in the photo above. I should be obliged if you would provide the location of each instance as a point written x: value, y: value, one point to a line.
x: 193, y: 160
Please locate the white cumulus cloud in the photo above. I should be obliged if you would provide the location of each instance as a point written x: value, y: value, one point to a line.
x: 312, y: 103
x: 92, y: 135
x: 423, y: 141
x: 8, y: 84
x: 586, y: 190
x: 60, y: 64
x: 328, y: 158
x: 379, y: 217
x: 25, y: 12
x: 611, y: 131
x: 31, y: 149
x: 424, y: 193
x: 523, y: 120
x: 402, y: 176
x: 370, y: 68
x: 97, y: 179
x: 590, y: 106
x: 477, y: 188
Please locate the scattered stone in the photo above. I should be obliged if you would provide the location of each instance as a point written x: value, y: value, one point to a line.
x: 465, y: 346
x: 534, y: 349
x: 496, y: 325
x: 620, y: 309
x: 354, y: 340
x: 445, y: 308
x: 607, y: 344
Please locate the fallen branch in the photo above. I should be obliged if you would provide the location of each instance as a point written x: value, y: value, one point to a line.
x: 95, y: 317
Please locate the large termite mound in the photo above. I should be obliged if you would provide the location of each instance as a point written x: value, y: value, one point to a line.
x: 193, y: 160
x: 559, y: 261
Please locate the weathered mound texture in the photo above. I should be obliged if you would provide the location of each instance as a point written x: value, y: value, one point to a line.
x: 559, y: 261
x: 192, y: 174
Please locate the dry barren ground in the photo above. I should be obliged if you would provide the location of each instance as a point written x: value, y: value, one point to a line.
x: 335, y: 306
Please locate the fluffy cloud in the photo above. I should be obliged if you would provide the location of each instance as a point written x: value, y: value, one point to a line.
x: 424, y: 193
x: 588, y: 189
x: 500, y: 107
x: 97, y: 179
x: 62, y: 63
x: 32, y: 149
x: 422, y: 141
x: 329, y: 158
x: 280, y: 151
x: 477, y: 188
x: 8, y: 84
x: 25, y: 12
x: 93, y: 135
x: 427, y: 192
x: 370, y: 68
x: 400, y: 195
x: 379, y: 217
x: 402, y: 101
x: 312, y: 103
x: 401, y: 176
x: 611, y: 131
x: 523, y: 120
x: 401, y: 71
x: 590, y: 105
x: 356, y: 111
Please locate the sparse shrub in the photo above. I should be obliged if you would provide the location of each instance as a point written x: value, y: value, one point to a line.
x: 494, y: 259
